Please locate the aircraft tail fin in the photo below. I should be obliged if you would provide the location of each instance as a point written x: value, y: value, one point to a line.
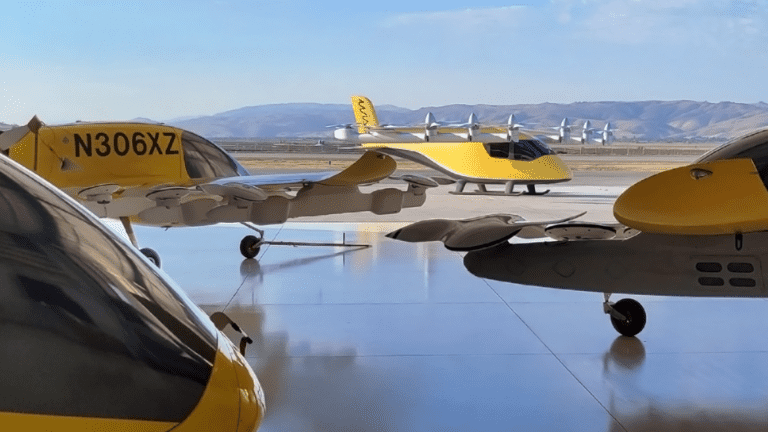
x: 365, y: 115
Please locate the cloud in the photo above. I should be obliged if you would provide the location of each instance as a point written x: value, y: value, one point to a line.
x: 669, y: 22
x: 458, y: 18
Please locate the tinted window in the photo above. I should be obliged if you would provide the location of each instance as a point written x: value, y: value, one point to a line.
x: 205, y: 159
x: 523, y: 150
x: 87, y: 327
x: 753, y: 146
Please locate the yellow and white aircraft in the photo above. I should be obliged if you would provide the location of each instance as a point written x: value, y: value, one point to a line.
x: 467, y: 152
x: 698, y: 230
x: 160, y: 175
x: 96, y: 338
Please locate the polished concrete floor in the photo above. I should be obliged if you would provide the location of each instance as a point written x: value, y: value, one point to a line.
x: 400, y: 337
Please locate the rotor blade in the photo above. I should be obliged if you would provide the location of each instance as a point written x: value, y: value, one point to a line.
x: 11, y: 137
x: 470, y: 234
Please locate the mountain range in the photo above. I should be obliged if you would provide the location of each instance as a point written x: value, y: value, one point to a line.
x: 635, y: 121
x: 644, y: 121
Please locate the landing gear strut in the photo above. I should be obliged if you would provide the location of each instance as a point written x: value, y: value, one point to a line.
x: 627, y: 315
x: 149, y: 253
x: 250, y: 245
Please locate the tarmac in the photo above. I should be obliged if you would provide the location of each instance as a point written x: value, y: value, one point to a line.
x: 400, y: 337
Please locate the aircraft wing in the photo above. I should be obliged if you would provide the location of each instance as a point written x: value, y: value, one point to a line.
x: 265, y: 199
x: 486, y: 231
x: 370, y: 168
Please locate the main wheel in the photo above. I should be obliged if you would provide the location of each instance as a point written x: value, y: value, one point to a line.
x: 250, y: 246
x: 635, y: 315
x: 152, y: 255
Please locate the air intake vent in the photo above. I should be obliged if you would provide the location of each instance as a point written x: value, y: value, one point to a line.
x: 711, y: 281
x: 709, y: 267
x: 740, y: 267
x: 728, y: 271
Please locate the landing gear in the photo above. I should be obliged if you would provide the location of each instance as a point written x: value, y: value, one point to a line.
x: 532, y: 190
x: 151, y: 255
x: 251, y: 245
x: 627, y: 315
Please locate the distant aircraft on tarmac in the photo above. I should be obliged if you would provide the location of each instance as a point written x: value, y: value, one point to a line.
x: 467, y: 152
x: 160, y: 175
x: 588, y: 135
x: 699, y: 230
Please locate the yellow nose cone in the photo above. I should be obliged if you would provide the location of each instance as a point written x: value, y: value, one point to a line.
x: 550, y: 167
x: 720, y: 197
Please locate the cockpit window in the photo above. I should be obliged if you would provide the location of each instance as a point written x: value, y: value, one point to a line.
x: 102, y: 333
x: 523, y: 150
x: 205, y: 159
x: 753, y: 146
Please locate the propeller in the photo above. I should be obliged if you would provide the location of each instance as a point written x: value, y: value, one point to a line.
x: 606, y: 134
x: 472, y: 126
x: 11, y: 137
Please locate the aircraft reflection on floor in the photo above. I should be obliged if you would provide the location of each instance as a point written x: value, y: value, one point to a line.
x: 302, y: 388
x: 642, y: 409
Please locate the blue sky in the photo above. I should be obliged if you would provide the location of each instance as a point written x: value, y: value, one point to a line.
x: 117, y: 60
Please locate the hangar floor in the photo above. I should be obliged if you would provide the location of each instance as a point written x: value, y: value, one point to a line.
x: 400, y: 336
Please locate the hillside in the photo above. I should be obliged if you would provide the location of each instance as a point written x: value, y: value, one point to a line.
x: 648, y: 120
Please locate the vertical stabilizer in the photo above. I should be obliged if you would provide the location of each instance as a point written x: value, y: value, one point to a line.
x: 365, y: 115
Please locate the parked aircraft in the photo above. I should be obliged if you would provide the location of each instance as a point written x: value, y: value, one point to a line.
x: 698, y: 230
x: 467, y: 152
x: 95, y: 338
x: 160, y: 175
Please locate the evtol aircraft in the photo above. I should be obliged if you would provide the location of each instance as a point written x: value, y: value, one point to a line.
x: 96, y: 338
x: 698, y: 230
x: 467, y: 152
x: 159, y: 175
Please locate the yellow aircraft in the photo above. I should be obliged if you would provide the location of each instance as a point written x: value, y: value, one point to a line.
x: 467, y: 152
x: 160, y: 175
x: 699, y: 230
x: 95, y: 338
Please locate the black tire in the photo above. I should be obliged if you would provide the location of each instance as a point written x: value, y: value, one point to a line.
x: 635, y: 314
x: 152, y: 256
x: 250, y: 246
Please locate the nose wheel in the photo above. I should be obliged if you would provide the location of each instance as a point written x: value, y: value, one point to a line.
x: 627, y: 315
x: 250, y: 245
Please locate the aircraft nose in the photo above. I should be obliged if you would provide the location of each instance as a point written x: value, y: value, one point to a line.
x: 252, y: 406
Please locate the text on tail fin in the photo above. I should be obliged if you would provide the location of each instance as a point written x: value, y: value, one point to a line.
x: 365, y: 115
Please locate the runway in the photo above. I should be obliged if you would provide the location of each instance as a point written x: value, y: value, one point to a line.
x: 400, y: 337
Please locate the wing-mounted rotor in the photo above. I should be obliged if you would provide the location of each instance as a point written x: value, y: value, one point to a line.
x: 10, y: 137
x: 475, y: 233
x: 472, y: 127
x: 606, y: 134
x: 564, y: 131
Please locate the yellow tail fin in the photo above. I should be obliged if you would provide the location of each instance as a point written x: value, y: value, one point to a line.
x: 365, y: 115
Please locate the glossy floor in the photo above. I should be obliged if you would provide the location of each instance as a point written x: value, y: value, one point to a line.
x: 401, y: 337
